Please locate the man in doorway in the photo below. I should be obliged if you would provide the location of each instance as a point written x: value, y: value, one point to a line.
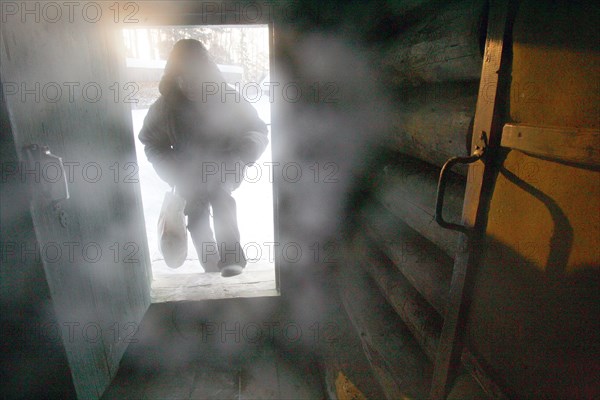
x: 199, y: 136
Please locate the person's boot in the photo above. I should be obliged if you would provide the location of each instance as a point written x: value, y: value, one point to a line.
x: 231, y: 270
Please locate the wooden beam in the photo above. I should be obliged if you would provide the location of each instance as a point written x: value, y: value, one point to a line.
x: 443, y: 46
x: 426, y: 267
x: 422, y: 320
x: 576, y: 145
x: 408, y: 190
x: 486, y: 133
x: 432, y: 122
x: 397, y: 361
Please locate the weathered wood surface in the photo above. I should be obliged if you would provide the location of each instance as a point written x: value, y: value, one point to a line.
x: 206, y: 286
x: 575, y: 145
x: 540, y: 274
x: 407, y: 188
x: 24, y: 293
x: 443, y: 46
x: 343, y: 353
x: 422, y: 320
x: 263, y: 373
x: 494, y: 76
x: 433, y: 122
x: 426, y: 267
x: 99, y: 295
x: 397, y: 361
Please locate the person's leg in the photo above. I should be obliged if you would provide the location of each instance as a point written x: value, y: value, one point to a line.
x: 198, y: 213
x: 227, y: 232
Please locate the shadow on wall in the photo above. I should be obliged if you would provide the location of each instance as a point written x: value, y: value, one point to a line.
x: 536, y: 327
x: 534, y: 314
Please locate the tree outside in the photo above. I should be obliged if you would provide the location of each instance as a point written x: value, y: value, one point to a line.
x: 244, y: 46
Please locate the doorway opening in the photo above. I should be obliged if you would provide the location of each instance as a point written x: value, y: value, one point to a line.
x: 242, y: 55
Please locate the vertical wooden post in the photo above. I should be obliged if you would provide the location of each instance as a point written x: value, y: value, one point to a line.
x: 486, y: 133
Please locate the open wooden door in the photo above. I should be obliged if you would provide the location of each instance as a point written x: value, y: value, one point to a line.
x: 65, y: 98
x: 524, y: 295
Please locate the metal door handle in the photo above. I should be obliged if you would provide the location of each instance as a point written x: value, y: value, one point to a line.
x: 42, y: 158
x: 441, y: 188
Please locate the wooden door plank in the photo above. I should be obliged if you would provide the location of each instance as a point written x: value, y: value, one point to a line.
x: 576, y: 145
x: 100, y: 295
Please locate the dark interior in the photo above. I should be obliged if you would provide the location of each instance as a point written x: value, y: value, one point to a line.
x: 417, y: 279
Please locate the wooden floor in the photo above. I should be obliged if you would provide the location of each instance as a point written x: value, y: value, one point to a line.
x: 171, y: 360
x: 262, y: 375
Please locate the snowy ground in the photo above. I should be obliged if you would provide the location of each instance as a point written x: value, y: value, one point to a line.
x: 254, y: 205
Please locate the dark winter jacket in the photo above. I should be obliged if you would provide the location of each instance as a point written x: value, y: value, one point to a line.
x: 194, y: 145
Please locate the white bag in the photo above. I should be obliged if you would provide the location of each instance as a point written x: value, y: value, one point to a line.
x: 172, y: 231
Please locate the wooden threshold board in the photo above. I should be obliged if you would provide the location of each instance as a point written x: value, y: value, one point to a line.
x: 253, y: 282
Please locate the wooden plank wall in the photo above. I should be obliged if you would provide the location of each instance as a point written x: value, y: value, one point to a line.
x: 34, y: 361
x: 534, y: 317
